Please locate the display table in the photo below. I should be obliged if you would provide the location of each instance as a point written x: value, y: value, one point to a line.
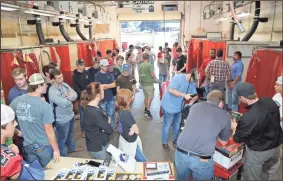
x: 68, y: 162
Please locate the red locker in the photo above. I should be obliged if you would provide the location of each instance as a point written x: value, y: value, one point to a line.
x: 264, y: 68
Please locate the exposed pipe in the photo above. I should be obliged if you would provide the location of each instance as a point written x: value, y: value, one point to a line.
x: 78, y: 29
x: 39, y: 30
x: 21, y: 32
x: 62, y: 30
x: 255, y: 23
x: 232, y: 8
x: 232, y: 29
x: 90, y: 30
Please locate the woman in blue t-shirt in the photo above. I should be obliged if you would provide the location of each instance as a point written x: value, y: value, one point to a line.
x: 129, y: 141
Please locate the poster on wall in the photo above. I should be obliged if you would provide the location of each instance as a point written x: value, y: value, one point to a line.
x: 143, y: 6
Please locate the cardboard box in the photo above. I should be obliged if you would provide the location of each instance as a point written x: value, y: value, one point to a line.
x: 227, y: 162
x: 230, y: 149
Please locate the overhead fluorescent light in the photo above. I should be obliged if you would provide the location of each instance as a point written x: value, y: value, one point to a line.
x: 243, y: 14
x: 7, y: 9
x: 222, y: 19
x: 67, y: 17
x: 39, y: 12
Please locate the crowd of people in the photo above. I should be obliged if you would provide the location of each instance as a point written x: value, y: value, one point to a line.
x: 40, y: 115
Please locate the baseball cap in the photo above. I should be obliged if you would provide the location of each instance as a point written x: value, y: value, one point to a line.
x: 7, y: 114
x: 279, y: 80
x: 104, y: 62
x: 80, y: 62
x: 111, y: 62
x: 36, y: 79
x: 245, y: 89
x: 126, y: 67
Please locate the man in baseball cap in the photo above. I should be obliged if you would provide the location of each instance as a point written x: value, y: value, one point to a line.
x: 35, y: 118
x: 126, y: 80
x: 278, y: 96
x: 259, y: 128
x: 81, y: 79
x: 108, y: 83
x: 12, y: 167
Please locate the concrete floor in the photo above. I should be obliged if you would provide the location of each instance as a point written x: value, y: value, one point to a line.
x: 150, y: 132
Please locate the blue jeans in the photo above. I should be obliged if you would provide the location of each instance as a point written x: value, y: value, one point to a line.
x: 140, y: 157
x: 233, y: 98
x: 109, y: 108
x: 101, y: 155
x: 43, y: 153
x: 162, y: 78
x: 168, y: 120
x: 65, y: 137
x: 193, y: 165
x: 81, y: 115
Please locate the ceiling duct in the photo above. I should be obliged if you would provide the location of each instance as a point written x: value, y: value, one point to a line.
x: 62, y: 29
x: 89, y: 28
x: 37, y: 23
x: 256, y: 21
x: 78, y: 27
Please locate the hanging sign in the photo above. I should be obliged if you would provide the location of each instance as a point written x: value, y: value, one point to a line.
x: 143, y: 6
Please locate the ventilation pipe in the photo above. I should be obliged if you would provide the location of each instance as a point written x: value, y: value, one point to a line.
x: 89, y: 28
x: 232, y: 29
x: 255, y: 23
x: 37, y: 23
x: 232, y: 8
x: 62, y: 29
x: 78, y: 28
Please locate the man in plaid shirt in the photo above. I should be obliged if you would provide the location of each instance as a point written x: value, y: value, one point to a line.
x: 218, y: 72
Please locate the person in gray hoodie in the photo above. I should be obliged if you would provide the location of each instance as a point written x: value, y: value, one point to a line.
x: 61, y: 97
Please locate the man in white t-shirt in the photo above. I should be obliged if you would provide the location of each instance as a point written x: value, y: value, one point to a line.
x: 278, y: 96
x: 278, y: 99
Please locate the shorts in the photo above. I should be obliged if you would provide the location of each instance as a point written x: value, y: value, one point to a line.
x: 148, y: 91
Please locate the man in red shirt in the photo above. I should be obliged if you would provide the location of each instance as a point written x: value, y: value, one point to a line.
x: 11, y: 166
x: 175, y: 56
x: 159, y: 55
x: 212, y: 56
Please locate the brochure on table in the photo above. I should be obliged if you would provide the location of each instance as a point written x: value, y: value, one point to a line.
x: 151, y: 170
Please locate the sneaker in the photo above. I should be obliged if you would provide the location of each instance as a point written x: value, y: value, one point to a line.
x: 148, y: 115
x: 166, y: 147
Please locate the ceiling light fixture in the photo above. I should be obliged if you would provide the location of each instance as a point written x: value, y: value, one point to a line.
x: 243, y: 14
x: 222, y: 19
x: 67, y: 17
x: 42, y: 13
x: 8, y: 9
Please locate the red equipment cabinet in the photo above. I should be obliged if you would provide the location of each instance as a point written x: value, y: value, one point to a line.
x: 264, y: 68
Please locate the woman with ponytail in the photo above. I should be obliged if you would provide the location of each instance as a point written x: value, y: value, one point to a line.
x: 96, y: 122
